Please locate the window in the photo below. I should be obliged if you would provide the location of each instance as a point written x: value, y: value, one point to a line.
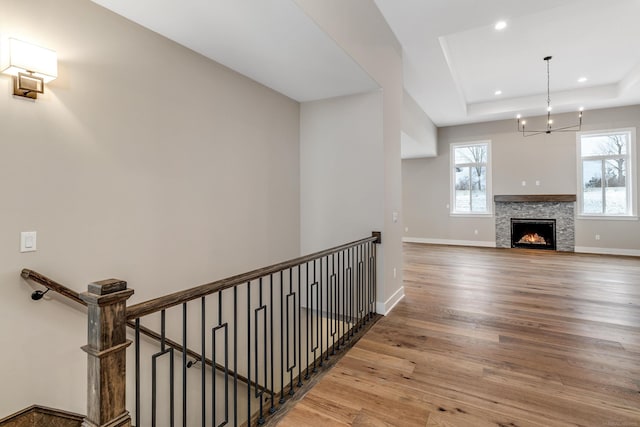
x: 606, y: 173
x: 471, y: 178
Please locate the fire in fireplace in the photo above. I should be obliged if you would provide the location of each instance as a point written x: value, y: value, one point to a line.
x: 533, y: 233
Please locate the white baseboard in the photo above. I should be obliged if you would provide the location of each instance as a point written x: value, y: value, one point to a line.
x: 481, y: 243
x: 385, y: 307
x: 607, y: 251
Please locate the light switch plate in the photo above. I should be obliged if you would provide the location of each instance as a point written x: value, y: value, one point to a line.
x: 28, y: 242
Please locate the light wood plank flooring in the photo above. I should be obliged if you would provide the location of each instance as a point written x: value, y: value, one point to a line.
x: 494, y: 337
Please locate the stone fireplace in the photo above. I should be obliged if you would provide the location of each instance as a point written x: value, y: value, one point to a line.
x: 536, y: 221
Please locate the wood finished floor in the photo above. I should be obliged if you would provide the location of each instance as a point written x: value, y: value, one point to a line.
x: 494, y: 337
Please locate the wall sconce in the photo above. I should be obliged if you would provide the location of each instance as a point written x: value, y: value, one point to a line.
x: 31, y: 67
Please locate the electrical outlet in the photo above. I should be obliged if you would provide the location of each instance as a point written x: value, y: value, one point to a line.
x: 395, y: 273
x: 524, y: 183
x: 475, y: 232
x: 597, y: 237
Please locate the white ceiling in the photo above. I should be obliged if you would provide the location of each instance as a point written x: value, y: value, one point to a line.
x: 454, y: 60
x: 270, y: 41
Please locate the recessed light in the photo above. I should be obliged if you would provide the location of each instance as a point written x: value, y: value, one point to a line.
x: 500, y: 25
x: 582, y: 79
x: 498, y: 92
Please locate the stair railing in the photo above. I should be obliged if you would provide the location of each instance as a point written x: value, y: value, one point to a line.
x: 52, y: 285
x: 266, y: 332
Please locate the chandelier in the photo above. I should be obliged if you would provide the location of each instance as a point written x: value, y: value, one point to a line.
x: 573, y: 128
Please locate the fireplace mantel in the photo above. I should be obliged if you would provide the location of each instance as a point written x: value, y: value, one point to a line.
x: 535, y: 198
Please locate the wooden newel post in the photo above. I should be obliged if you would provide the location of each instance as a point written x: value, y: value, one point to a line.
x: 106, y: 354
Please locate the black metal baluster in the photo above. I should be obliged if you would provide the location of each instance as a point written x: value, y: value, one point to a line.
x: 334, y: 303
x: 214, y: 376
x: 343, y: 293
x: 137, y: 339
x: 328, y: 311
x: 184, y: 365
x: 249, y: 353
x: 154, y: 359
x: 354, y: 278
x: 259, y: 393
x: 367, y: 289
x: 300, y: 325
x: 359, y: 288
x: 372, y: 269
x: 172, y: 406
x: 272, y: 409
x: 320, y: 317
x: 281, y: 401
x: 354, y: 287
x: 308, y: 322
x: 235, y: 356
x: 214, y: 345
x: 203, y: 366
x: 347, y: 290
x: 317, y: 314
x: 290, y: 367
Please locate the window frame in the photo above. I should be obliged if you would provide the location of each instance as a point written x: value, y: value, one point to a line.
x: 452, y: 179
x: 631, y: 168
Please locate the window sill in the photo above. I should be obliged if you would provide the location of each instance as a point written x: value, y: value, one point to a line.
x: 609, y: 217
x: 471, y: 215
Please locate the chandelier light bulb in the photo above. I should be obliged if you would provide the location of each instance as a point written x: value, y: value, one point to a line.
x: 550, y: 121
x: 518, y: 116
x: 549, y: 108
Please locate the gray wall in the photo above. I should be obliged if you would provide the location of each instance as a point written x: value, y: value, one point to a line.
x: 340, y: 202
x: 419, y: 134
x: 143, y: 161
x: 549, y: 159
x: 360, y: 29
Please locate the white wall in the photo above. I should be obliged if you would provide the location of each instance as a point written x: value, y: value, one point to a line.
x: 360, y: 29
x: 341, y: 183
x: 419, y: 134
x: 127, y: 171
x: 549, y: 159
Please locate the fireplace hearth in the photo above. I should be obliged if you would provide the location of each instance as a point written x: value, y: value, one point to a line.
x: 533, y: 233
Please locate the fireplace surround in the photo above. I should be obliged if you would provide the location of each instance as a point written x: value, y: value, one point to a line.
x: 558, y: 207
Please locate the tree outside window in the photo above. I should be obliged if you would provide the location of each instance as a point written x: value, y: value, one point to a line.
x: 470, y: 193
x: 605, y: 173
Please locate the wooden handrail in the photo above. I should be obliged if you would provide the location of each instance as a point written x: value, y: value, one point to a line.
x: 53, y: 285
x: 162, y: 303
x: 75, y: 296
